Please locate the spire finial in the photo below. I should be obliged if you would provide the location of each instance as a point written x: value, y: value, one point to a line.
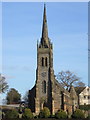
x: 44, y: 5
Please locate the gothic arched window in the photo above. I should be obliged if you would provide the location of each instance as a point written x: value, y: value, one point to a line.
x: 42, y: 61
x: 46, y: 61
x: 44, y: 86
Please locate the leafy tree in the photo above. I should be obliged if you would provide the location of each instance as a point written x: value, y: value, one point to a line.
x: 27, y: 113
x: 13, y: 97
x: 11, y: 114
x: 67, y: 79
x: 61, y: 114
x: 78, y: 114
x: 3, y: 84
x: 45, y: 113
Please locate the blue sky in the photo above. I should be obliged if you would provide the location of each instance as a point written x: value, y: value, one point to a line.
x: 22, y: 27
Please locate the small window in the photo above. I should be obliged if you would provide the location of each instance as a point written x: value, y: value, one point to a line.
x: 44, y: 86
x: 46, y: 61
x: 88, y: 97
x: 84, y: 97
x: 42, y: 61
x: 84, y: 103
x: 87, y: 89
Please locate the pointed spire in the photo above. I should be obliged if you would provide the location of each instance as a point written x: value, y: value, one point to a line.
x: 44, y: 39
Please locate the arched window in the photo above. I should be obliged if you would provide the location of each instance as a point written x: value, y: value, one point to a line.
x: 42, y: 61
x: 46, y: 61
x: 44, y: 86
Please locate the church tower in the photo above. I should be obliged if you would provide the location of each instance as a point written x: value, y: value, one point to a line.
x: 44, y: 72
x: 47, y: 92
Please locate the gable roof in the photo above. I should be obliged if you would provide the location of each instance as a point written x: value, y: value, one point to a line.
x: 61, y: 87
x: 79, y: 89
x: 73, y: 92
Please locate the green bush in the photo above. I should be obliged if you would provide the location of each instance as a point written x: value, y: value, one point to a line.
x: 78, y: 114
x: 61, y: 114
x: 27, y: 113
x: 1, y: 114
x: 88, y: 117
x: 36, y: 117
x: 11, y: 114
x: 52, y: 116
x: 45, y: 113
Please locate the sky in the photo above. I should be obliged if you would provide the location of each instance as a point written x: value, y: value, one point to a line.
x: 22, y: 27
x: 45, y: 0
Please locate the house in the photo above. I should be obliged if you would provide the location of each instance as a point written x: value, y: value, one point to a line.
x: 84, y: 96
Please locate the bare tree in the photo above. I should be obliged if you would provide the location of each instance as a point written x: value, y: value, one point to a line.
x: 79, y: 84
x: 3, y: 84
x: 26, y: 96
x: 67, y: 79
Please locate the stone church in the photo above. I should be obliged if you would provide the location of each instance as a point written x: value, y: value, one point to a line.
x: 47, y: 91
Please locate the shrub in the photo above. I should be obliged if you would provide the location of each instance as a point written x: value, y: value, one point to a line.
x: 78, y: 114
x: 61, y: 114
x: 21, y: 110
x: 36, y: 116
x: 45, y: 113
x: 1, y: 114
x: 27, y: 113
x: 11, y: 114
x: 52, y: 116
x: 88, y: 117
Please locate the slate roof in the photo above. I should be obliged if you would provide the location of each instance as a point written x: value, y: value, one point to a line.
x: 62, y: 88
x: 79, y: 89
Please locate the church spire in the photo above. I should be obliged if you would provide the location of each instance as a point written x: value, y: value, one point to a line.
x: 44, y: 39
